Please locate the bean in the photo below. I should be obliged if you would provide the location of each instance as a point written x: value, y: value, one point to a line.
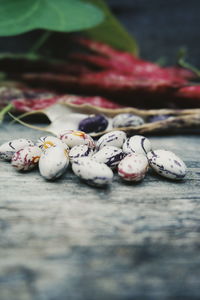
x: 127, y: 120
x: 96, y: 123
x: 109, y: 155
x: 114, y: 138
x: 53, y: 162
x: 133, y: 167
x: 167, y: 164
x: 137, y: 144
x: 26, y: 159
x: 9, y: 148
x: 80, y: 151
x: 74, y: 137
x: 92, y: 172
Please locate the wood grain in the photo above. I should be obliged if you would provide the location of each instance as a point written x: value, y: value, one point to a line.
x: 66, y: 240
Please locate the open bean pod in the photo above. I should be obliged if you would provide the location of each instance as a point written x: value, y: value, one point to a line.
x: 66, y: 114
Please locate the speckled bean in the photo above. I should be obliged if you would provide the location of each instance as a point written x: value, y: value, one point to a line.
x: 127, y: 120
x: 26, y: 159
x: 167, y: 164
x: 137, y: 144
x: 109, y: 155
x: 133, y: 167
x: 114, y: 138
x: 45, y: 142
x: 9, y: 148
x: 92, y: 172
x: 74, y: 137
x: 80, y: 151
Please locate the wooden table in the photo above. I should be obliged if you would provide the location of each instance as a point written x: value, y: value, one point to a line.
x: 66, y: 240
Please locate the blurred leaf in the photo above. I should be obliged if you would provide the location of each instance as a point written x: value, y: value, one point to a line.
x: 161, y: 61
x: 19, y: 16
x: 111, y: 31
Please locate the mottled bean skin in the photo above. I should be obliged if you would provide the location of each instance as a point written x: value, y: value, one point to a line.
x: 133, y: 167
x: 45, y: 142
x: 26, y: 159
x: 74, y: 137
x: 114, y: 138
x: 127, y: 120
x: 137, y: 144
x: 9, y: 148
x: 92, y: 172
x: 80, y: 151
x: 96, y: 123
x: 167, y: 164
x: 110, y: 155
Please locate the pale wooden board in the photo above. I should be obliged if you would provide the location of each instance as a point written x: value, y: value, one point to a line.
x: 66, y: 240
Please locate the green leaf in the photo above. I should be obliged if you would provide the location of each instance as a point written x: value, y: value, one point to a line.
x: 19, y: 16
x: 111, y: 31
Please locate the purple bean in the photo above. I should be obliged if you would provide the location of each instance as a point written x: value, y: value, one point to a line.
x: 96, y: 123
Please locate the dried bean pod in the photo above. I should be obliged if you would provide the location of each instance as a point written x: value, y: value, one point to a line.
x: 53, y: 162
x: 114, y: 138
x: 92, y: 172
x: 95, y: 123
x: 110, y: 155
x: 167, y: 164
x: 74, y: 137
x: 133, y: 167
x: 127, y: 120
x: 80, y: 151
x: 137, y: 144
x: 9, y: 148
x: 26, y: 159
x: 45, y: 142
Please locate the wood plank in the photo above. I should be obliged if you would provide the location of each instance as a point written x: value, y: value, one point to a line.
x: 66, y: 240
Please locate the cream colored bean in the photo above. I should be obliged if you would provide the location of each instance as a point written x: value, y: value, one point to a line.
x: 92, y: 172
x: 26, y: 159
x: 137, y: 144
x: 53, y: 162
x: 167, y: 164
x: 114, y: 138
x: 9, y: 148
x: 133, y: 167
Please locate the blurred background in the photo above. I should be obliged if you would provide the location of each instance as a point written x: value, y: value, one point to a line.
x: 161, y: 27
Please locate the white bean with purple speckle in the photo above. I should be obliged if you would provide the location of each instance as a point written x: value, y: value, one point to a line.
x: 167, y: 164
x: 109, y: 155
x: 114, y: 138
x: 127, y: 120
x: 92, y: 172
x: 80, y: 151
x: 137, y: 144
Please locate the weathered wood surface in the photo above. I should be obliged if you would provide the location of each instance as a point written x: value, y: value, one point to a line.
x: 66, y: 240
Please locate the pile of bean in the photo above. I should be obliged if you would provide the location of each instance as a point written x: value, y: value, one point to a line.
x: 92, y: 161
